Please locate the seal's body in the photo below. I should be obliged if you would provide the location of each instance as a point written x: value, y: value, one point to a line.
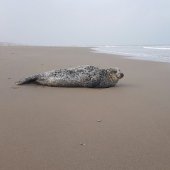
x: 82, y: 76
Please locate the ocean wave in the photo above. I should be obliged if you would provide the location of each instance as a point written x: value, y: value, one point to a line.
x: 151, y: 53
x: 157, y: 48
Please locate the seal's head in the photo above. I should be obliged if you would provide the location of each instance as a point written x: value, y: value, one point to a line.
x: 115, y: 73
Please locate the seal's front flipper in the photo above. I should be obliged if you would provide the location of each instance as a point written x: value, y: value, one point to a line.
x: 27, y: 80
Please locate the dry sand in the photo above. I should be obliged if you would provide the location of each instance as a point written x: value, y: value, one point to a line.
x: 46, y: 128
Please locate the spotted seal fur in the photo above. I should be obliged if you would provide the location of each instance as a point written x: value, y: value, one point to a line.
x: 81, y: 76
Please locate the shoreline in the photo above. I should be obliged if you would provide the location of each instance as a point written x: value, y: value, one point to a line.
x: 124, y: 127
x: 94, y: 49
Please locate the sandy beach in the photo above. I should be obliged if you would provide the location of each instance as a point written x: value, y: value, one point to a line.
x: 126, y: 127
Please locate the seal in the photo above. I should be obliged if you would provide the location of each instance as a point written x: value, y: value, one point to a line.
x: 81, y: 76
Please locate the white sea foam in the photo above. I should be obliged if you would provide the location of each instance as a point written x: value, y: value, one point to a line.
x: 158, y: 48
x: 150, y: 53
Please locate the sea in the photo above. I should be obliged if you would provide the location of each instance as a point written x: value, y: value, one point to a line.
x: 149, y: 53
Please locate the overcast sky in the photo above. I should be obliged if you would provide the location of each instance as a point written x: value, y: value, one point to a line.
x: 85, y: 22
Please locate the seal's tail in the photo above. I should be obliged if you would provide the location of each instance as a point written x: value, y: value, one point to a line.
x: 27, y: 80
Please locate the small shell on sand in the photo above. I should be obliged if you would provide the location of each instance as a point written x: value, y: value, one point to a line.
x: 82, y: 144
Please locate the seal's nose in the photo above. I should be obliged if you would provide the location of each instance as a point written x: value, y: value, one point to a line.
x: 121, y: 75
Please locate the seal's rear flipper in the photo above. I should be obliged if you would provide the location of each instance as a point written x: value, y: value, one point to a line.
x: 27, y: 80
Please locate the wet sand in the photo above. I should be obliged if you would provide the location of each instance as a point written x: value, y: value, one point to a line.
x: 126, y: 127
